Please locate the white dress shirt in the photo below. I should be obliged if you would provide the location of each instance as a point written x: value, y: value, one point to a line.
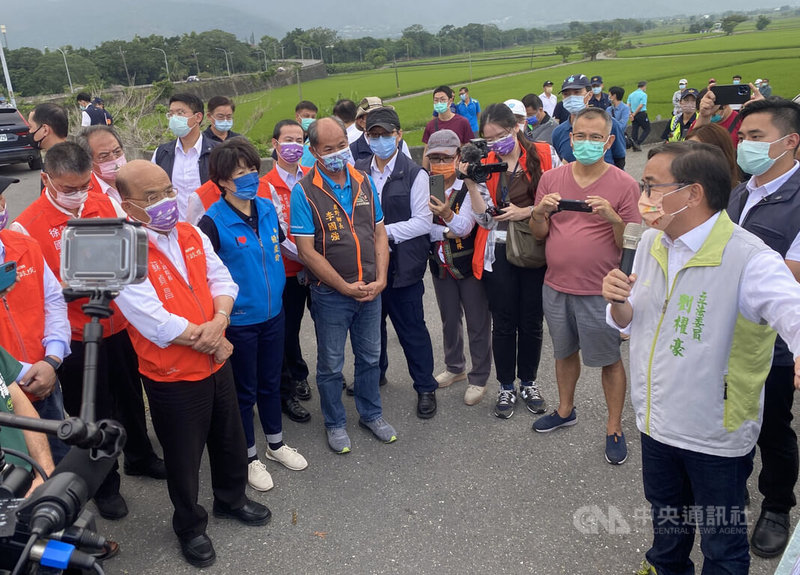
x: 57, y: 332
x: 462, y: 223
x: 86, y: 120
x: 548, y: 102
x: 775, y: 301
x: 420, y: 222
x: 140, y: 305
x: 353, y: 133
x: 757, y: 193
x: 185, y: 174
x: 290, y: 179
x: 108, y: 189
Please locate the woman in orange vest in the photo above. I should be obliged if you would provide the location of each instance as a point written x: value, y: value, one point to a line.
x: 514, y: 292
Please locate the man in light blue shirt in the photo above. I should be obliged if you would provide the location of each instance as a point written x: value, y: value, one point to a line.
x: 618, y: 109
x: 637, y: 102
x: 468, y: 107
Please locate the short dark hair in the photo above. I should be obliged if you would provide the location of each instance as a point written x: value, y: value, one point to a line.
x: 464, y: 88
x: 718, y: 136
x: 785, y: 113
x: 305, y: 105
x: 225, y: 158
x: 345, y: 110
x: 83, y: 97
x: 217, y: 101
x: 67, y: 158
x: 195, y: 104
x: 313, y: 130
x: 736, y: 76
x: 532, y: 101
x: 446, y: 89
x: 618, y: 92
x: 699, y: 163
x: 54, y: 116
x: 276, y: 131
x: 591, y: 112
x: 86, y: 133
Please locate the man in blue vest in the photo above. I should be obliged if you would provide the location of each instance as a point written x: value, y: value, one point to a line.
x: 700, y: 307
x: 768, y: 205
x: 90, y: 115
x: 404, y: 191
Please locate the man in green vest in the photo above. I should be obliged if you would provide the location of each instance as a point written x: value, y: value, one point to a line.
x: 698, y: 311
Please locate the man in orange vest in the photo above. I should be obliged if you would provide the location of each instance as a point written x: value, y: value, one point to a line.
x: 69, y: 194
x: 276, y: 185
x: 178, y: 318
x: 34, y: 327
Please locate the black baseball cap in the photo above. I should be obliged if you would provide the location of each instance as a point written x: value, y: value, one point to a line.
x: 385, y: 118
x: 596, y: 80
x: 547, y: 83
x: 575, y: 82
x: 690, y: 92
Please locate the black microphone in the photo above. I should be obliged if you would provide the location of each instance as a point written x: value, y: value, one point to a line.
x: 630, y: 241
x: 471, y: 154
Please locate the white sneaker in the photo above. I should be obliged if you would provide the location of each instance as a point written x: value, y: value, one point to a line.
x: 288, y: 456
x: 446, y: 379
x: 474, y: 394
x: 258, y: 477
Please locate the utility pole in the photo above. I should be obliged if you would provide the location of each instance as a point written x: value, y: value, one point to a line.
x: 265, y: 56
x: 532, y: 56
x: 196, y: 61
x: 124, y: 63
x: 3, y: 32
x: 299, y: 85
x: 469, y: 55
x: 69, y: 78
x: 227, y: 65
x: 166, y: 64
x: 396, y: 76
x: 8, y: 78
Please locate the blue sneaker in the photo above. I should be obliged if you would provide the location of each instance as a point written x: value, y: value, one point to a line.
x: 616, y: 449
x: 553, y: 421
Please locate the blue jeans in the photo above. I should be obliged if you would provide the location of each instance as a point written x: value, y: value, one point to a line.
x: 256, y: 361
x: 684, y: 487
x: 52, y: 407
x: 334, y: 315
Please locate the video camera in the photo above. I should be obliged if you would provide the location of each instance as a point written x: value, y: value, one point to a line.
x: 98, y: 258
x: 473, y: 154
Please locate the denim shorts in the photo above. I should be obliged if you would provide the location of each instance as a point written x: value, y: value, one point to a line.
x: 578, y: 322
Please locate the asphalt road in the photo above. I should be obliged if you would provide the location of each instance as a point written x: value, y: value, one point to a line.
x: 464, y: 492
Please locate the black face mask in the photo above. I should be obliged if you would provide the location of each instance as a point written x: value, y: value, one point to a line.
x: 36, y: 144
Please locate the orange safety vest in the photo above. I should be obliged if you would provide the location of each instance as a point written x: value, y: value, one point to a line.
x: 45, y: 223
x: 191, y: 300
x: 285, y: 194
x: 208, y: 194
x: 543, y: 149
x: 22, y: 312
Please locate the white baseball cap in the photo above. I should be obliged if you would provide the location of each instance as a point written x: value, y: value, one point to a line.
x: 517, y: 107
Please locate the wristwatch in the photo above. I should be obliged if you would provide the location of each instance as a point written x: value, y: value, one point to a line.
x: 52, y: 362
x: 445, y: 231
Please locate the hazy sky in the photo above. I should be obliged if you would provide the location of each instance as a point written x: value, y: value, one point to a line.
x: 62, y: 22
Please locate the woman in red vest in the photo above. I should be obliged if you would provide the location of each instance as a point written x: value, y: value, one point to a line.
x: 515, y: 292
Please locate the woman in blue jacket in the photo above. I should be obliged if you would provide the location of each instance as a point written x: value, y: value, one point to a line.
x: 246, y: 234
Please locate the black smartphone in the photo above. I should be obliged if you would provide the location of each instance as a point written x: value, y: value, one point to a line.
x: 731, y: 94
x: 8, y: 275
x: 574, y: 206
x: 437, y: 187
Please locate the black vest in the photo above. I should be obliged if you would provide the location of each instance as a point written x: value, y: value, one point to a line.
x: 96, y: 115
x: 361, y: 150
x: 457, y: 252
x: 776, y: 220
x: 165, y: 157
x: 407, y: 259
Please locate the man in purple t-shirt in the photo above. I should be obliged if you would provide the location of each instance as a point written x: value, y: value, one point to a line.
x: 445, y: 119
x: 579, y: 246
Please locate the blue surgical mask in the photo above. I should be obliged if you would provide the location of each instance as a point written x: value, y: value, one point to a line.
x: 463, y: 97
x: 383, y: 147
x: 440, y: 107
x: 588, y: 152
x: 83, y: 108
x: 574, y: 104
x: 223, y: 125
x: 715, y: 118
x: 532, y: 121
x: 306, y: 122
x: 597, y: 89
x: 246, y: 186
x: 736, y: 82
x: 753, y: 157
x: 179, y: 126
x: 336, y: 161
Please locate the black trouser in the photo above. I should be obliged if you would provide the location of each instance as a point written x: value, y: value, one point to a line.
x: 189, y: 416
x: 296, y: 297
x: 515, y: 302
x: 640, y: 120
x: 778, y: 442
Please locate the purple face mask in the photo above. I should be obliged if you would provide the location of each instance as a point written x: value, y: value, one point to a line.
x: 3, y: 219
x: 503, y: 146
x: 163, y: 215
x: 290, y: 151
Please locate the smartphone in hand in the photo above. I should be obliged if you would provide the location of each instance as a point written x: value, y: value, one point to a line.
x: 8, y: 275
x: 731, y: 94
x: 574, y: 206
x: 437, y: 187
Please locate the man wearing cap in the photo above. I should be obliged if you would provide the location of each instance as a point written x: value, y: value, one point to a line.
x: 549, y: 100
x: 637, y: 101
x: 360, y: 147
x: 765, y: 88
x: 90, y: 115
x: 100, y: 104
x: 676, y: 97
x: 445, y: 119
x: 675, y: 130
x: 574, y: 97
x: 458, y: 292
x: 468, y: 107
x: 342, y: 242
x: 599, y: 98
x: 404, y: 190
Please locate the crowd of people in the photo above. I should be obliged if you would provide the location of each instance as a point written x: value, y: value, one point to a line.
x: 346, y: 223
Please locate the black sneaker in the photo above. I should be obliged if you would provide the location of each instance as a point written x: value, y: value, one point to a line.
x: 504, y: 408
x: 529, y: 392
x: 302, y: 390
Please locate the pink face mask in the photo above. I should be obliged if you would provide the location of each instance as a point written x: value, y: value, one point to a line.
x: 108, y: 170
x: 71, y: 201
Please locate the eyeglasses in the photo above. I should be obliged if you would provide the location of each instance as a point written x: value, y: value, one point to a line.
x: 580, y: 137
x: 496, y: 139
x: 647, y: 188
x: 441, y: 100
x: 441, y: 159
x: 157, y: 196
x: 69, y: 190
x: 184, y: 113
x: 114, y: 154
x: 222, y: 117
